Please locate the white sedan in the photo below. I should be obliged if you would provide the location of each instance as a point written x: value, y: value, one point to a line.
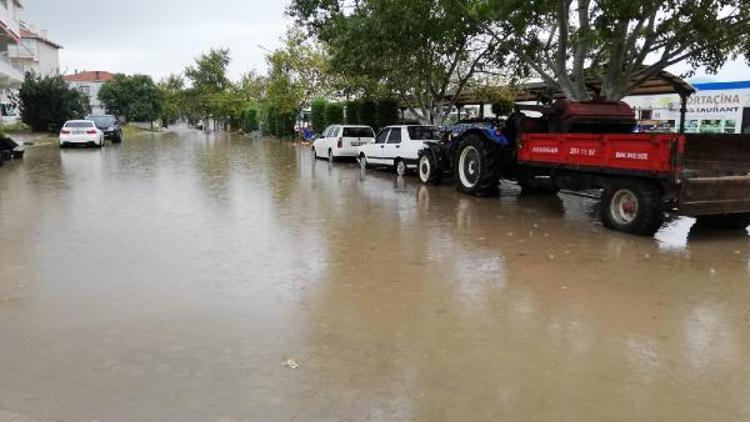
x: 398, y: 147
x: 81, y: 132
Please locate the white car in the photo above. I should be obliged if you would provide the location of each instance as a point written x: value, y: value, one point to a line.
x: 398, y: 147
x: 342, y: 141
x: 81, y: 132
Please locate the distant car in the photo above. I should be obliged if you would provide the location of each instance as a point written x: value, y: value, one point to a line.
x: 81, y: 132
x: 342, y: 141
x: 398, y: 147
x: 109, y: 125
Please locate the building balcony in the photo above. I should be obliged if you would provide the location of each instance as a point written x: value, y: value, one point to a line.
x: 11, y: 73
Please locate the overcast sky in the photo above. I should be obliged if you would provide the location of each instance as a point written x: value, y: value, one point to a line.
x: 159, y: 37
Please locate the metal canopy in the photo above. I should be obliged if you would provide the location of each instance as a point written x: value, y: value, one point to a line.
x: 663, y: 83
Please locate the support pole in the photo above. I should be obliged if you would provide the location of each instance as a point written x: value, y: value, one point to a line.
x: 683, y: 111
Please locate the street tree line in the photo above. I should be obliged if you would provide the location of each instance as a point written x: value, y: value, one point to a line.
x: 364, y: 61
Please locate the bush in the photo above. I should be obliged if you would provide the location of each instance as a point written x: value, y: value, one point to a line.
x: 318, y: 118
x: 388, y: 112
x: 250, y: 120
x: 46, y: 103
x: 285, y: 124
x: 270, y: 124
x: 368, y: 114
x: 334, y: 114
x: 353, y: 116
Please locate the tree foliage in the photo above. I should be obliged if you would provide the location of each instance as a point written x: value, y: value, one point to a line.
x: 334, y: 114
x: 48, y: 102
x: 423, y: 51
x: 133, y: 97
x: 318, y: 110
x: 621, y: 42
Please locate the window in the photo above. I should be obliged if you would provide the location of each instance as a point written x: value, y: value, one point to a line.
x: 358, y: 132
x: 382, y: 136
x: 336, y: 132
x: 395, y: 136
x: 647, y: 114
x: 79, y: 124
x: 424, y: 133
x: 86, y: 90
x: 327, y: 133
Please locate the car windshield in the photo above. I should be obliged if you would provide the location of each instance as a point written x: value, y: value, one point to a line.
x: 104, y: 120
x: 79, y: 124
x: 358, y: 132
x: 424, y: 133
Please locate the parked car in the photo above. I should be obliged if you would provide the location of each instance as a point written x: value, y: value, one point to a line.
x: 398, y: 147
x: 81, y: 132
x: 109, y: 125
x: 342, y: 141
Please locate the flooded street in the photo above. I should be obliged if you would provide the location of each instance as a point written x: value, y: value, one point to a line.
x: 171, y: 278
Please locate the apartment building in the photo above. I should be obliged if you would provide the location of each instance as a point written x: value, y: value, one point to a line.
x: 37, y: 52
x: 11, y: 72
x: 90, y: 83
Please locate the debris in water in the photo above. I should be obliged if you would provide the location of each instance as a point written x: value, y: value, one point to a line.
x: 291, y: 364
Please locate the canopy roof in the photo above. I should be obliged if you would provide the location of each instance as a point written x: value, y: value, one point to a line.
x: 662, y: 83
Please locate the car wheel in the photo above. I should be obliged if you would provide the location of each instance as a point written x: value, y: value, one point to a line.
x: 400, y: 166
x: 633, y: 206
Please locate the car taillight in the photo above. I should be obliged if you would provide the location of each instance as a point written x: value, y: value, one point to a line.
x: 341, y: 143
x: 64, y: 132
x: 91, y: 132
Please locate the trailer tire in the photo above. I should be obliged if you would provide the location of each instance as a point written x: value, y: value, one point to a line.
x: 725, y: 221
x: 633, y: 206
x: 477, y: 166
x: 429, y: 174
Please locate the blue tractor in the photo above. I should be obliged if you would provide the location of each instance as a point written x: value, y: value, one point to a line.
x: 439, y: 160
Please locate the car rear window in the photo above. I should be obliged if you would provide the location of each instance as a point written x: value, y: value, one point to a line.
x: 358, y: 132
x: 79, y: 124
x: 104, y: 120
x: 424, y: 133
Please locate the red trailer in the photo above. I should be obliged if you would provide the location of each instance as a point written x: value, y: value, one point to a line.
x: 582, y: 146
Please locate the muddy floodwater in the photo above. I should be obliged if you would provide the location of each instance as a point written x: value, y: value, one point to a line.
x: 187, y: 277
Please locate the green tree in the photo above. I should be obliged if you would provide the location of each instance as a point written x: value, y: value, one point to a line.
x: 318, y: 110
x: 368, y: 113
x: 209, y: 84
x: 622, y: 43
x: 423, y: 51
x: 387, y: 112
x: 334, y: 114
x: 250, y: 120
x: 48, y: 102
x: 134, y: 97
x: 171, y: 90
x: 353, y: 112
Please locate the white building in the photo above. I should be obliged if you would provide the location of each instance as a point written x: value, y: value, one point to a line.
x: 718, y: 107
x: 90, y: 83
x: 36, y: 52
x: 11, y: 73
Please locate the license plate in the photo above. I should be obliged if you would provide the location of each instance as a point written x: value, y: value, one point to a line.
x: 78, y: 132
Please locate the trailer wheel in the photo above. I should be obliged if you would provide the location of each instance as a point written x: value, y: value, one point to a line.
x: 429, y: 174
x: 633, y: 206
x: 477, y: 166
x: 725, y: 222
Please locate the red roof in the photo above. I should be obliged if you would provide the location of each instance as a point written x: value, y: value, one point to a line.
x: 93, y: 76
x: 25, y: 33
